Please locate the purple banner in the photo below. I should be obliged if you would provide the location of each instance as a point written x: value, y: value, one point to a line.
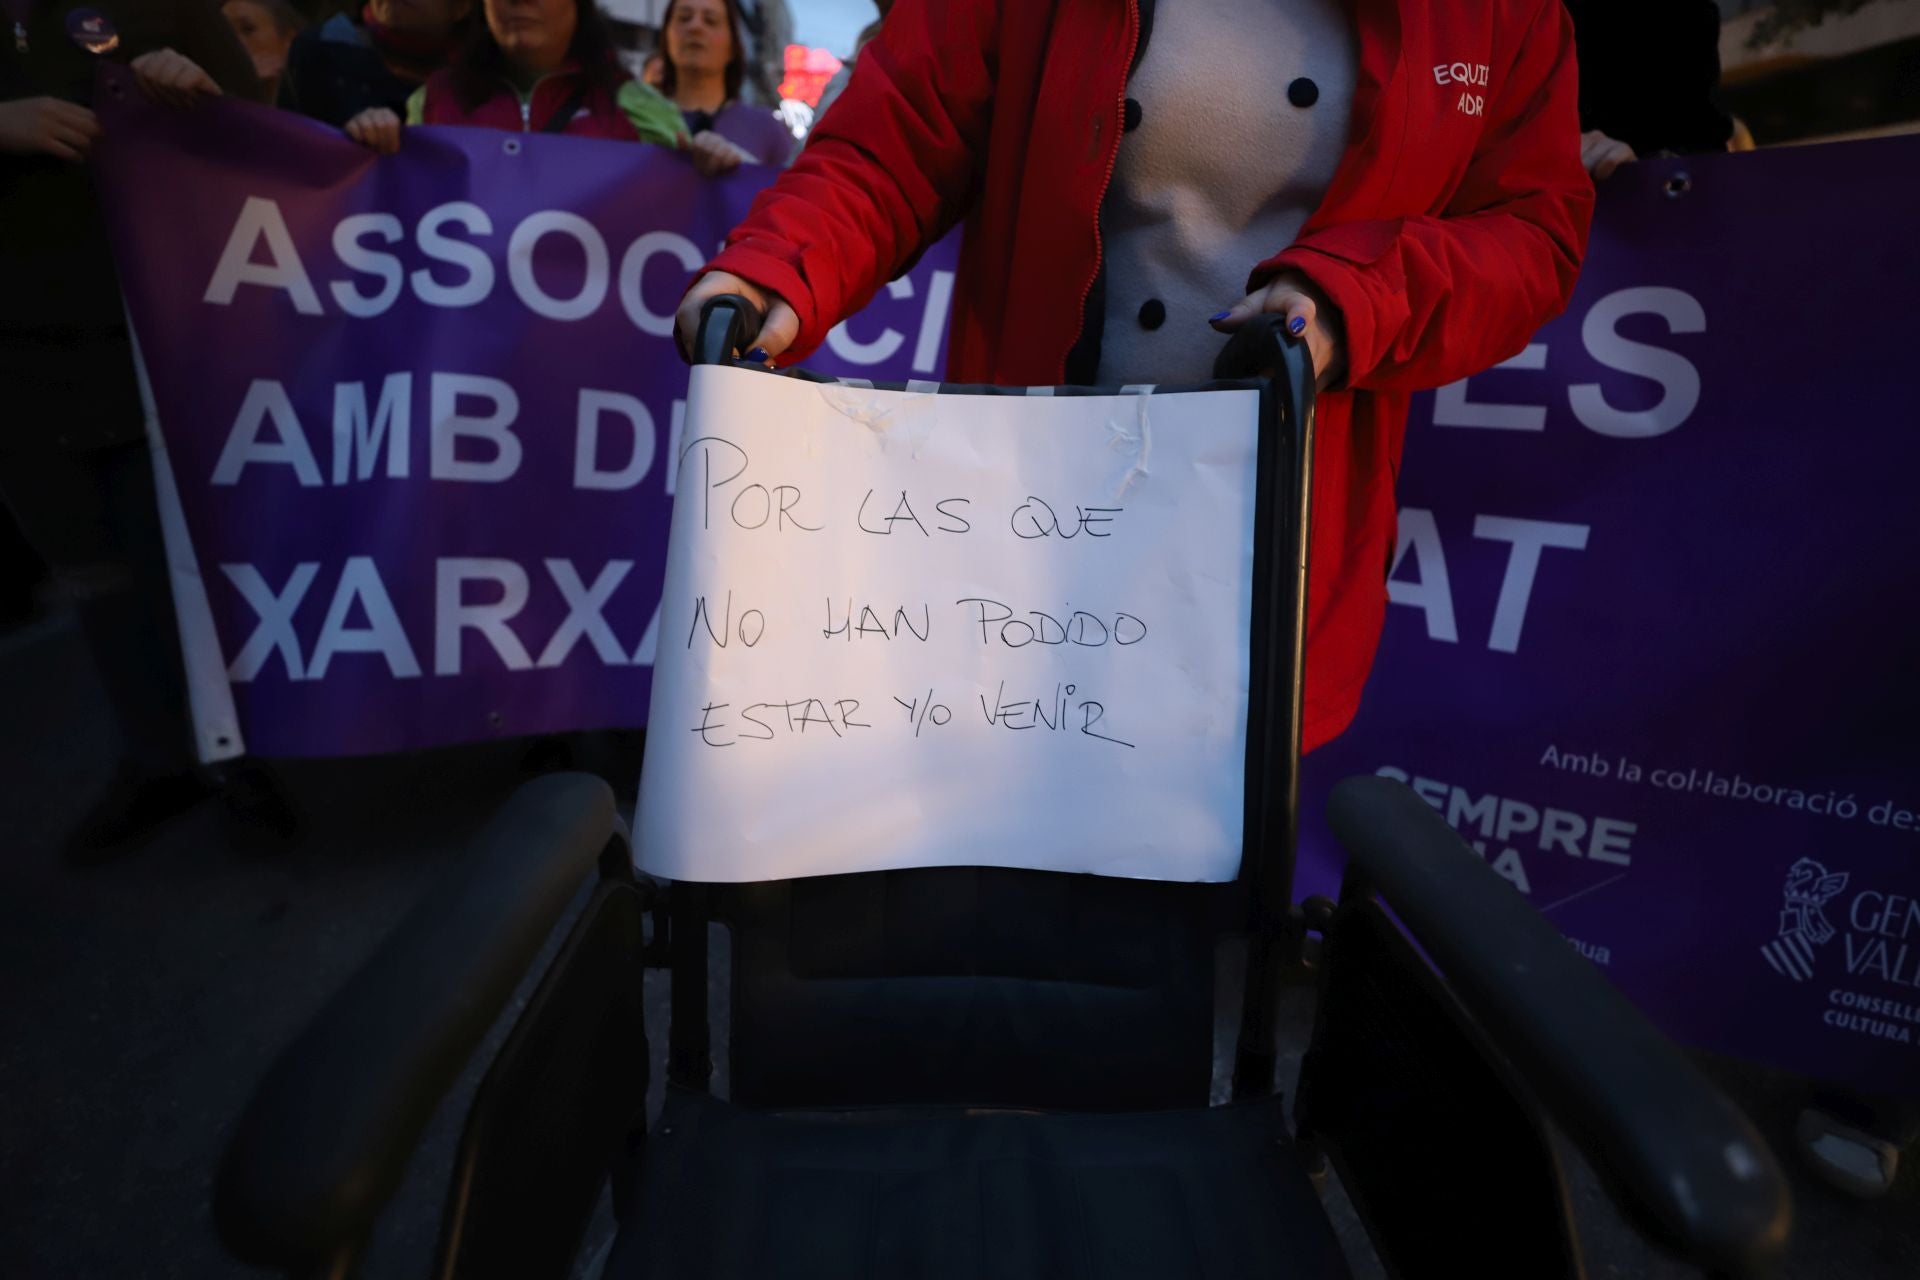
x: 1651, y: 646
x: 1653, y: 638
x: 420, y: 414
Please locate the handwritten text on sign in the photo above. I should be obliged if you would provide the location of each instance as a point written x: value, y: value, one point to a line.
x: 902, y: 629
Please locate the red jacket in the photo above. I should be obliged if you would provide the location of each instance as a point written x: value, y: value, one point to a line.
x: 1453, y: 228
x: 598, y: 115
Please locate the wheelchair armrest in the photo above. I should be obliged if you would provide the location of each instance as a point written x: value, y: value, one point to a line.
x: 1675, y: 1151
x: 327, y: 1136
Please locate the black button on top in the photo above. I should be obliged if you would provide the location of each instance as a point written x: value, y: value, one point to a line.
x: 1303, y: 92
x: 1130, y: 117
x: 1153, y: 313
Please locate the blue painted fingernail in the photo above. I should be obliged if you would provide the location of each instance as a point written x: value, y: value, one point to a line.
x: 1215, y: 319
x: 1297, y: 326
x: 757, y: 356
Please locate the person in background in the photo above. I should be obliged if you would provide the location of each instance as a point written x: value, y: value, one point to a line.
x: 1649, y: 71
x: 703, y: 67
x: 266, y: 29
x: 375, y: 59
x: 536, y: 66
x: 75, y: 467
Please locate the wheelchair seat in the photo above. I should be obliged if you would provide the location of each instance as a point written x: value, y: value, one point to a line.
x: 956, y: 1193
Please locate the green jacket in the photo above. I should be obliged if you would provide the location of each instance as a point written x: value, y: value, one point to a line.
x: 652, y: 116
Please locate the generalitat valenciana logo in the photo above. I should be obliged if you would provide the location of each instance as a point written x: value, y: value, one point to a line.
x: 1803, y: 924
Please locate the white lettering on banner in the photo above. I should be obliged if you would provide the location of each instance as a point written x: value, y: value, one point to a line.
x: 933, y: 327
x: 453, y: 615
x: 933, y: 321
x: 260, y: 221
x: 360, y: 585
x: 267, y: 431
x: 1451, y: 408
x: 450, y: 426
x: 266, y: 401
x: 1891, y: 915
x: 1868, y: 1026
x: 1602, y: 956
x: 355, y: 256
x: 842, y: 343
x: 586, y: 455
x: 1711, y: 783
x: 520, y: 249
x: 471, y: 258
x: 457, y: 272
x: 1508, y: 822
x: 633, y: 268
x: 1674, y: 372
x: 584, y: 616
x: 274, y: 634
x: 1880, y: 1005
x: 358, y: 434
x: 1878, y: 958
x: 1676, y: 375
x: 649, y: 647
x: 1431, y: 592
x: 1529, y: 538
x: 1593, y: 765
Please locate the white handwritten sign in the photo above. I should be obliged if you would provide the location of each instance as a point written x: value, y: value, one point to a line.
x: 902, y: 629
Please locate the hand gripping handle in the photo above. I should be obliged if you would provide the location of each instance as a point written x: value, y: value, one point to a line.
x: 728, y: 324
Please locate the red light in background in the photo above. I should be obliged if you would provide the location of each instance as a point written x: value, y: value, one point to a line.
x: 807, y: 71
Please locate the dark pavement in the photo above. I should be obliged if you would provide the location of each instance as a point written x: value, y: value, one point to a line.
x: 142, y: 999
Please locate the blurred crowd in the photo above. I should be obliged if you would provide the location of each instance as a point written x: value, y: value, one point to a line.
x: 553, y: 66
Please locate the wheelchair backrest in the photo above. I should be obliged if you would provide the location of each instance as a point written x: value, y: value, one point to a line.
x: 1024, y: 988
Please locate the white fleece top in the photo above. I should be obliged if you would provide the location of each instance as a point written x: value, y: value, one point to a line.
x: 1221, y: 172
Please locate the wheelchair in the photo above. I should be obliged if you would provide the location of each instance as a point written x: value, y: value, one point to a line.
x: 974, y: 1072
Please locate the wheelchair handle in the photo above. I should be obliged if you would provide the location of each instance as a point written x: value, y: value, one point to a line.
x: 1262, y: 348
x: 728, y: 323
